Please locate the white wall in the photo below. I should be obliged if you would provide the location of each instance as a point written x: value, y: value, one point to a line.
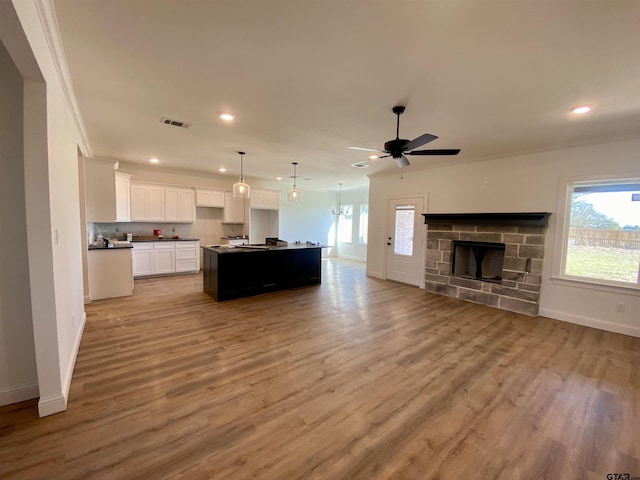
x: 528, y: 183
x: 310, y: 219
x: 18, y: 374
x: 51, y: 201
x: 353, y: 250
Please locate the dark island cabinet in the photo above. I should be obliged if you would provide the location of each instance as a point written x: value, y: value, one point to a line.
x: 235, y: 273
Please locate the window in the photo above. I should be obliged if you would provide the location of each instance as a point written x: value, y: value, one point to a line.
x: 405, y: 221
x: 345, y: 224
x: 601, y: 241
x: 363, y: 235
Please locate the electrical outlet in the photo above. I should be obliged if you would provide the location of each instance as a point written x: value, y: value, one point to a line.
x: 620, y: 307
x: 117, y: 229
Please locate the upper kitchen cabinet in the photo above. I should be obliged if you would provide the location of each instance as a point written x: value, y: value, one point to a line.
x: 162, y: 203
x: 147, y: 202
x: 265, y: 199
x: 107, y: 192
x: 234, y: 209
x: 209, y: 197
x: 179, y: 204
x: 123, y: 197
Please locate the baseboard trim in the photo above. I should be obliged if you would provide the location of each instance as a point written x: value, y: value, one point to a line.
x: 50, y: 405
x: 58, y: 403
x: 19, y: 393
x: 369, y: 273
x: 590, y: 322
x: 87, y: 299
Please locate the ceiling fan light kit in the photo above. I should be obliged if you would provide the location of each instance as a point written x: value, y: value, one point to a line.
x: 293, y: 195
x: 241, y: 189
x: 399, y: 148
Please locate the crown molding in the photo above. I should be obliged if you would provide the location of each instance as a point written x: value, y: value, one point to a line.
x: 49, y: 22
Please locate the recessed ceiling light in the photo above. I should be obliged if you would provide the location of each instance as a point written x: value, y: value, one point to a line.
x: 373, y: 157
x: 222, y: 169
x: 581, y: 109
x: 278, y: 178
x: 154, y: 160
x: 227, y: 117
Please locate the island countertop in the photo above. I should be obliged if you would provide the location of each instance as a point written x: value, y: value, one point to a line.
x: 225, y: 249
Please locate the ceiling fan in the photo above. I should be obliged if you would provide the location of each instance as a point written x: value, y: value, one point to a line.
x: 400, y: 147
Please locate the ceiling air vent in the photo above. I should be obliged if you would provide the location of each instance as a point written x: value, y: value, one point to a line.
x: 360, y: 165
x: 174, y: 123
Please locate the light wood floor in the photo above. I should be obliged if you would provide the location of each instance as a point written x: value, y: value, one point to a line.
x: 356, y: 378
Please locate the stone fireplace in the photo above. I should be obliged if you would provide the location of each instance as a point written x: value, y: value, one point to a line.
x: 489, y: 258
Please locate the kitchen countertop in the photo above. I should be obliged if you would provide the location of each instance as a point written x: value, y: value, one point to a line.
x: 111, y: 247
x: 168, y: 239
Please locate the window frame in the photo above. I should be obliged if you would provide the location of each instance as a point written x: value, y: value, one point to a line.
x: 360, y: 225
x: 341, y: 219
x: 566, y: 188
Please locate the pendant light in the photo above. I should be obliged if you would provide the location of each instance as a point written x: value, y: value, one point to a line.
x: 294, y: 194
x: 339, y: 212
x: 241, y: 189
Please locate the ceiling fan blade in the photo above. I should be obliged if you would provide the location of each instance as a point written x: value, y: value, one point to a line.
x: 367, y: 149
x: 418, y: 142
x: 402, y: 161
x: 444, y: 151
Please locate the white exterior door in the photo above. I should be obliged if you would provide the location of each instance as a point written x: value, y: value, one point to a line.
x: 405, y: 253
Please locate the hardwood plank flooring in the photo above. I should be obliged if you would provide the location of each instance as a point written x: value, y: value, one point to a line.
x: 356, y: 378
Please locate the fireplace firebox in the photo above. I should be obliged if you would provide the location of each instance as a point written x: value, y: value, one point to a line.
x: 478, y: 260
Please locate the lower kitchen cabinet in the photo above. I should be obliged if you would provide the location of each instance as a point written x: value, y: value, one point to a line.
x: 165, y: 257
x: 187, y: 256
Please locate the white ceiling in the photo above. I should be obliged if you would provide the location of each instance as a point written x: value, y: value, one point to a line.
x: 308, y: 78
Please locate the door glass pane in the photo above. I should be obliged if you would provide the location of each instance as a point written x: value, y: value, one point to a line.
x: 405, y: 216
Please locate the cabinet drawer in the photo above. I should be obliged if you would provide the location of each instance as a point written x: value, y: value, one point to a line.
x: 164, y: 245
x: 186, y: 253
x: 180, y: 245
x: 142, y: 245
x: 192, y: 265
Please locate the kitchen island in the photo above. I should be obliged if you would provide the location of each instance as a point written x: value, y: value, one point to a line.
x: 234, y: 272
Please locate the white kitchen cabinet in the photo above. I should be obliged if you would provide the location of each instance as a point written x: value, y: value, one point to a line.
x: 147, y: 202
x: 208, y: 197
x: 165, y: 257
x: 162, y: 203
x: 187, y: 256
x: 179, y: 204
x: 123, y: 197
x: 143, y: 259
x: 265, y: 199
x: 234, y: 208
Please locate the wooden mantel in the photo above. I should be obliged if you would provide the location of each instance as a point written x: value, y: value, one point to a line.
x: 529, y: 219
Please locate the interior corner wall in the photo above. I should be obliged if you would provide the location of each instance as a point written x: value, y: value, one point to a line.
x: 526, y: 183
x: 354, y: 250
x: 18, y: 374
x: 51, y: 200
